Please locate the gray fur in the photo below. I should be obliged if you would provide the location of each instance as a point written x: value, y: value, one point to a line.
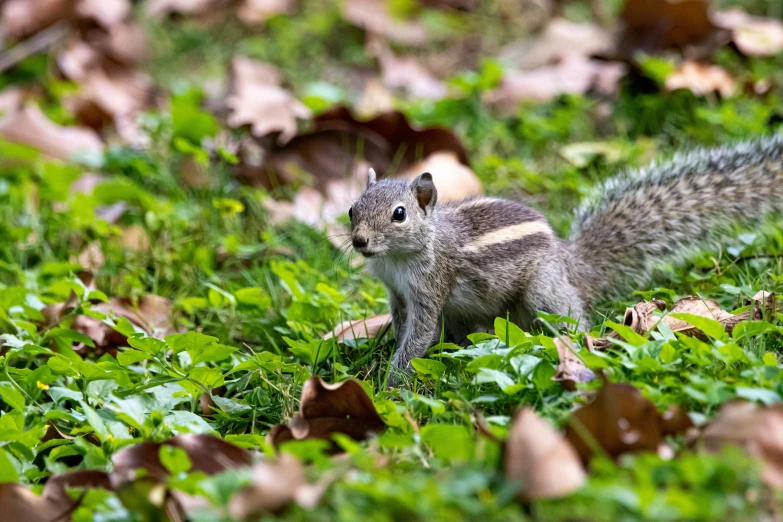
x: 466, y: 263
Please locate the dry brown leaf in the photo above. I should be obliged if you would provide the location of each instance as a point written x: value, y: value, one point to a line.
x: 653, y: 25
x: 207, y: 454
x: 254, y: 12
x: 339, y: 143
x: 161, y: 8
x: 574, y: 74
x: 256, y: 99
x: 91, y: 257
x: 135, y: 238
x: 405, y: 72
x: 105, y: 12
x: 619, y: 420
x: 641, y: 319
x: 674, y: 421
x: 56, y: 487
x: 540, y: 460
x: 571, y: 369
x: 454, y: 180
x: 701, y: 79
x: 29, y: 126
x: 373, y: 16
x: 559, y: 39
x: 21, y: 504
x: 375, y: 99
x: 325, y: 409
x: 757, y: 429
x: 753, y: 35
x: 369, y: 328
x: 275, y: 484
x: 21, y: 18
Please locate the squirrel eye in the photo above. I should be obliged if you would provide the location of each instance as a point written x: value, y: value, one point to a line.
x: 398, y: 214
x: 350, y: 213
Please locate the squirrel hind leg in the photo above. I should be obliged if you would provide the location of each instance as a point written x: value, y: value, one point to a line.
x: 553, y: 293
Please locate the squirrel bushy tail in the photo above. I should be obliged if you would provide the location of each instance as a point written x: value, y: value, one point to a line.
x: 640, y: 218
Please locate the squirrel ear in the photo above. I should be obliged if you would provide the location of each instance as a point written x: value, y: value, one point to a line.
x: 371, y: 178
x: 424, y: 189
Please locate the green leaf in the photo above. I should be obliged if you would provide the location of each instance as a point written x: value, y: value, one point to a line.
x: 449, y: 442
x: 428, y: 368
x: 189, y: 341
x: 502, y: 379
x: 627, y: 333
x: 212, y: 353
x: 94, y: 420
x: 174, y: 459
x: 762, y: 395
x: 128, y: 357
x: 7, y: 469
x: 542, y: 376
x: 12, y: 396
x: 149, y: 345
x: 253, y: 296
x: 707, y: 325
x: 509, y: 333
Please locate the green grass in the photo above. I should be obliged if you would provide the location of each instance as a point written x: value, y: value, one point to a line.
x: 269, y: 293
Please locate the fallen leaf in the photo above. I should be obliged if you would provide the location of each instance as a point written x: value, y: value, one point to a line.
x: 405, y: 73
x: 275, y: 484
x: 207, y: 454
x: 56, y: 487
x: 653, y: 25
x: 21, y: 18
x: 560, y: 38
x: 454, y: 180
x: 29, y: 126
x: 675, y: 421
x: 256, y: 99
x: 161, y: 8
x: 540, y: 460
x: 325, y: 409
x: 134, y: 237
x: 369, y: 328
x: 254, y: 12
x: 373, y: 16
x: 753, y: 35
x: 757, y: 429
x: 640, y: 318
x: 105, y: 12
x: 21, y: 504
x: 571, y: 369
x: 619, y: 420
x: 339, y: 143
x: 91, y: 258
x: 701, y: 79
x: 574, y: 74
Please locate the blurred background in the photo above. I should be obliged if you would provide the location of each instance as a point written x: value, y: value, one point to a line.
x: 161, y: 144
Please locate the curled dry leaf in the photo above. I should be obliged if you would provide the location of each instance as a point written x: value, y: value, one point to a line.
x: 540, y: 460
x: 753, y: 35
x: 207, y: 454
x: 161, y: 8
x: 29, y: 126
x: 256, y: 99
x: 619, y: 420
x: 325, y: 409
x: 701, y: 79
x: 571, y: 369
x: 653, y: 25
x: 757, y: 429
x: 275, y: 484
x: 641, y: 319
x: 574, y: 74
x: 20, y: 504
x: 370, y: 328
x: 373, y: 16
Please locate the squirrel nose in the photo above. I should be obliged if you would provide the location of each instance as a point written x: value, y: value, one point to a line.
x: 360, y: 242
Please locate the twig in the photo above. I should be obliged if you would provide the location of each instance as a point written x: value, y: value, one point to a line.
x: 33, y: 45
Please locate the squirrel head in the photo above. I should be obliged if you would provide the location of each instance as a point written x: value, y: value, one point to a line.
x: 393, y: 217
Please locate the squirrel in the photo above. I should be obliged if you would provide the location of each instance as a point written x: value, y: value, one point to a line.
x: 462, y: 264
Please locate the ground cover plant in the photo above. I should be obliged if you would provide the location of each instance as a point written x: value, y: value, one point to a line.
x: 185, y: 336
